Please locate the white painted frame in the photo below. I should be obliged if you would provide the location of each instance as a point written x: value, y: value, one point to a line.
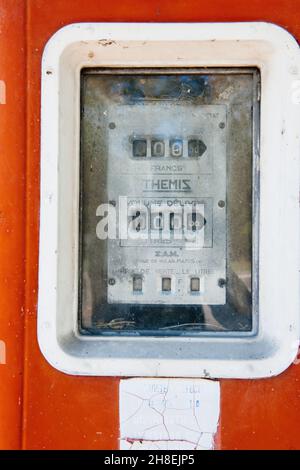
x: 275, y: 52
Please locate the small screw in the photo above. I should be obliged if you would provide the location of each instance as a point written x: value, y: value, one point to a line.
x: 222, y: 125
x: 111, y: 125
x: 221, y: 204
x: 221, y: 282
x: 111, y: 282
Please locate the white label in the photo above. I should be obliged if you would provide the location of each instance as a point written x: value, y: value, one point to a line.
x: 168, y: 414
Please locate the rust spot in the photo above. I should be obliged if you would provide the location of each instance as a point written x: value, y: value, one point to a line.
x: 106, y: 42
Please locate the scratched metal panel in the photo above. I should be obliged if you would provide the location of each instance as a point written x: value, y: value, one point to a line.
x: 129, y: 122
x: 147, y: 182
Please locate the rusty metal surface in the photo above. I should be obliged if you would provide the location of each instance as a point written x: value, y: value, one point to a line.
x: 52, y: 410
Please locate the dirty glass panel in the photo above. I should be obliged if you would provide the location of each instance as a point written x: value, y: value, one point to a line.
x: 166, y: 203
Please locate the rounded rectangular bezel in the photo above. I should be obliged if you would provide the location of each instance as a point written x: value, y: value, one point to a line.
x: 276, y: 54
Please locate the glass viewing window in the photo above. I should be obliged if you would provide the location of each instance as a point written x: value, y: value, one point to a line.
x: 168, y: 216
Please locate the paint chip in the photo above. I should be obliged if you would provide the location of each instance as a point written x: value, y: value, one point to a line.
x: 2, y: 352
x: 2, y: 92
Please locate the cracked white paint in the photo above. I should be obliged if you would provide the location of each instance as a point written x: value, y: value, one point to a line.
x: 168, y: 414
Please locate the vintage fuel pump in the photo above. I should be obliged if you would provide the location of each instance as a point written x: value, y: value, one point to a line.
x: 149, y: 225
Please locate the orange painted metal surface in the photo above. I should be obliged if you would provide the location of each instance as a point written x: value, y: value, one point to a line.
x: 12, y: 218
x: 41, y: 408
